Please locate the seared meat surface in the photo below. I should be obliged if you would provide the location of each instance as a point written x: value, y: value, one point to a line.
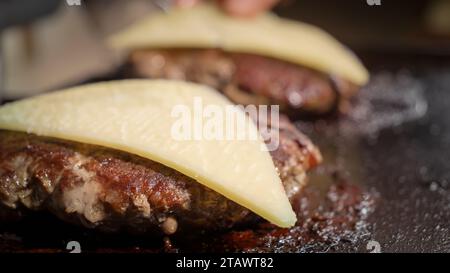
x: 109, y: 189
x: 247, y: 78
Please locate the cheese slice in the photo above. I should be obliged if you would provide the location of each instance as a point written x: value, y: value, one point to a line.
x: 136, y: 116
x: 205, y: 26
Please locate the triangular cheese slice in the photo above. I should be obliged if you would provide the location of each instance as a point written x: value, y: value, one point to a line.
x: 136, y: 116
x: 204, y: 26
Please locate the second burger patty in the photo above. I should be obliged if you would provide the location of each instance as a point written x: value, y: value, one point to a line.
x: 109, y: 189
x: 247, y: 78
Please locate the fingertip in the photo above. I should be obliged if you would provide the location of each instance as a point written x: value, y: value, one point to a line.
x: 186, y: 3
x: 246, y: 8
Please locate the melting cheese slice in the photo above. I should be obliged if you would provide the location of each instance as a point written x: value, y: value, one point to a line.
x: 135, y: 116
x: 205, y: 26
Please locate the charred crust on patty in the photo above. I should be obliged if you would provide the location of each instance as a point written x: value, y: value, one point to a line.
x: 112, y: 190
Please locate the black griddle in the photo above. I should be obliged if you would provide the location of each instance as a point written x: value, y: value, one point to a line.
x: 408, y: 163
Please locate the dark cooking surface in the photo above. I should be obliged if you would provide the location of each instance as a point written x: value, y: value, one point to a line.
x: 409, y: 165
x: 391, y: 183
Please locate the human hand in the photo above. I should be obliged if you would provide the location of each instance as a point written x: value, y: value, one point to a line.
x: 240, y: 8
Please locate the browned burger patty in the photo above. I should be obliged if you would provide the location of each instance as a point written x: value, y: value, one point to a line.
x: 247, y: 78
x: 109, y: 189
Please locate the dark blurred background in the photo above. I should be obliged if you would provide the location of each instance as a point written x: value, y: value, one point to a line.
x: 394, y: 23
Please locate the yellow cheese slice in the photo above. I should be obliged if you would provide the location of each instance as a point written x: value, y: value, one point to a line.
x: 136, y: 116
x: 205, y: 26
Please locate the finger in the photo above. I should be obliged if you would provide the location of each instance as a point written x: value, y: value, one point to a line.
x: 186, y: 3
x: 247, y: 8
